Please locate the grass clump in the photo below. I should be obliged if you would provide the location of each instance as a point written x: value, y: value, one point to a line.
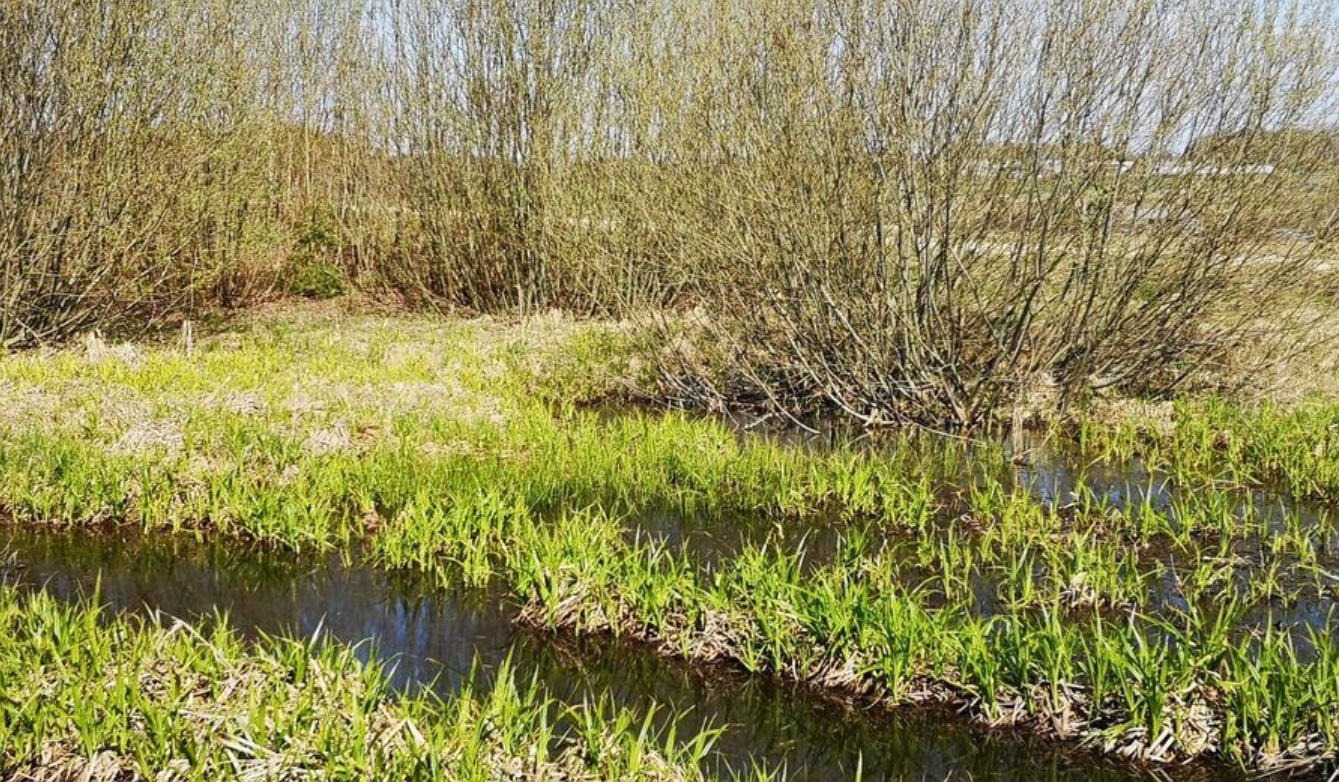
x: 1214, y: 441
x: 93, y: 697
x: 1152, y: 686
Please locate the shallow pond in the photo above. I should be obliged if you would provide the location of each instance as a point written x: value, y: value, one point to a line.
x: 435, y: 638
x: 1305, y: 597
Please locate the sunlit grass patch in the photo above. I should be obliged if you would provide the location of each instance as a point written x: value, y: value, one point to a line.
x: 88, y: 696
x: 1180, y: 618
x: 1149, y: 685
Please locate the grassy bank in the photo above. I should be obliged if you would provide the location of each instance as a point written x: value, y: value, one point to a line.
x: 1075, y: 644
x: 1288, y: 447
x: 1188, y: 621
x: 311, y: 436
x: 92, y: 697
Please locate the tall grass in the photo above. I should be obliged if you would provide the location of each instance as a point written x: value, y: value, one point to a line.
x: 1151, y: 686
x: 95, y: 697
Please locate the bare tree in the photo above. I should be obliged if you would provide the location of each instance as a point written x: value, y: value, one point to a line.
x: 905, y: 211
x: 932, y: 206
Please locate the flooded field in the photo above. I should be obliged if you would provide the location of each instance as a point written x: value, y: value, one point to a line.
x: 435, y: 638
x: 1096, y: 600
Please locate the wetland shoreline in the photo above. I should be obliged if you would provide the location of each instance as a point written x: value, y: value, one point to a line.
x: 921, y: 570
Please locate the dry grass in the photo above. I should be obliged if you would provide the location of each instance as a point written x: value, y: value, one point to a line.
x: 331, y: 376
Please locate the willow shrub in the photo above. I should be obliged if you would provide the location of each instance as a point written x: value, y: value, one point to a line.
x: 906, y: 212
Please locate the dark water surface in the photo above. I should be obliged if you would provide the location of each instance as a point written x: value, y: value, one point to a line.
x: 435, y: 638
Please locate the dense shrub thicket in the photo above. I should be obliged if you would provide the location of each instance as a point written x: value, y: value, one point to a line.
x: 911, y: 211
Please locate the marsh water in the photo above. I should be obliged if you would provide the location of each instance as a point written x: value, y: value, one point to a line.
x: 1056, y: 478
x: 439, y: 638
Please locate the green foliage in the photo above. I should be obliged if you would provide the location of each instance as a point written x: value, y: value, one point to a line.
x: 87, y: 695
x: 1142, y: 624
x: 317, y: 280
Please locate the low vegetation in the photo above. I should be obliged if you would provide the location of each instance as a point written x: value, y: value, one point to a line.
x: 1291, y: 447
x: 93, y: 697
x: 1181, y: 613
x: 923, y: 217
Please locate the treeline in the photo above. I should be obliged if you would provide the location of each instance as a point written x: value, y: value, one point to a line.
x: 911, y: 211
